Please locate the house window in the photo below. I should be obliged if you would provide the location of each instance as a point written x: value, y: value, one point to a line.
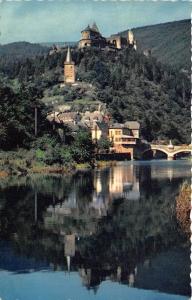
x: 117, y: 140
x: 117, y: 132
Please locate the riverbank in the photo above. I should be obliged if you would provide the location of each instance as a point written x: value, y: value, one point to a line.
x: 23, y: 163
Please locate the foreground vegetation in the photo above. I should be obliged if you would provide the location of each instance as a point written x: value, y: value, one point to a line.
x: 49, y: 155
x: 183, y: 208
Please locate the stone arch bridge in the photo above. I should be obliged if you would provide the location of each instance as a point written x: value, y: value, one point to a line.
x: 169, y: 150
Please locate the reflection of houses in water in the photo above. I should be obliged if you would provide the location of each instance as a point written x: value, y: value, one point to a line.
x: 100, y: 199
x: 120, y: 182
x: 123, y: 182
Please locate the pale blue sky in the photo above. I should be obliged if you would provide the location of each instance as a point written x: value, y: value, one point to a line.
x: 62, y: 20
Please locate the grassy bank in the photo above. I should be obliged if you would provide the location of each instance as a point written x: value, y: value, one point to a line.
x: 23, y: 162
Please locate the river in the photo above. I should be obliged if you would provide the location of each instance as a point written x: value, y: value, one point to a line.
x: 108, y: 234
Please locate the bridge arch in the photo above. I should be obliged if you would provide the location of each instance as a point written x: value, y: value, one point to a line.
x: 156, y: 149
x: 181, y: 151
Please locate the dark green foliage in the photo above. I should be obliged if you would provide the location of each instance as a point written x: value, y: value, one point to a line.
x: 170, y: 42
x: 82, y: 147
x: 104, y: 144
x: 141, y: 89
x: 50, y: 150
x: 17, y: 116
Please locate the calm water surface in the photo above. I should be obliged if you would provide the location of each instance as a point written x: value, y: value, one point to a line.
x: 109, y: 234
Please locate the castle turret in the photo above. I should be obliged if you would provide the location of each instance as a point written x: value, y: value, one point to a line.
x: 130, y: 37
x: 91, y: 37
x: 69, y: 68
x: 131, y: 40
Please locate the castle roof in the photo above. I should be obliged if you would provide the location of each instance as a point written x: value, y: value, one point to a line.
x: 88, y: 28
x: 95, y: 28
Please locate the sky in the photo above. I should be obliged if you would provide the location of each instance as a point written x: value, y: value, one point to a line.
x: 62, y: 20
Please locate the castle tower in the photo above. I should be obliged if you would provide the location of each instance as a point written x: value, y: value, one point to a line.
x: 69, y: 68
x: 131, y: 40
x: 130, y: 37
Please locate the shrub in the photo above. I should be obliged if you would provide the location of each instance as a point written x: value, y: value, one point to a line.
x: 66, y: 155
x: 40, y: 155
x: 183, y: 208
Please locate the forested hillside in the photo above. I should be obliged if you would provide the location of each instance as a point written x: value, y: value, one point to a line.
x: 22, y: 50
x: 170, y: 42
x: 133, y: 87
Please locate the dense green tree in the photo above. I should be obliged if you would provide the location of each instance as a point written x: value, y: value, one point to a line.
x: 82, y: 147
x: 17, y: 111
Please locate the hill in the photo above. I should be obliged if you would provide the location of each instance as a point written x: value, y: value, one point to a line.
x: 132, y: 86
x: 60, y: 44
x: 170, y: 42
x: 22, y: 50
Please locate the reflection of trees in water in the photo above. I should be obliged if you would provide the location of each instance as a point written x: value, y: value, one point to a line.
x: 108, y: 247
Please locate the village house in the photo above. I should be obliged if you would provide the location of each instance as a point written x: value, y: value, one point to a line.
x: 122, y: 138
x: 99, y: 130
x: 134, y: 126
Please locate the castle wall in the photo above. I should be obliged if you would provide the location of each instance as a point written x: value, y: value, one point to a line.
x: 84, y: 43
x: 86, y: 35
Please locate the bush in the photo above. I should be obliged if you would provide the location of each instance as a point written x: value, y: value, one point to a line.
x: 104, y: 144
x: 45, y: 142
x: 40, y: 155
x: 183, y: 208
x: 82, y: 148
x: 66, y: 155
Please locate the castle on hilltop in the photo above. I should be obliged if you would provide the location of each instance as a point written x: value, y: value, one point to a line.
x: 91, y: 37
